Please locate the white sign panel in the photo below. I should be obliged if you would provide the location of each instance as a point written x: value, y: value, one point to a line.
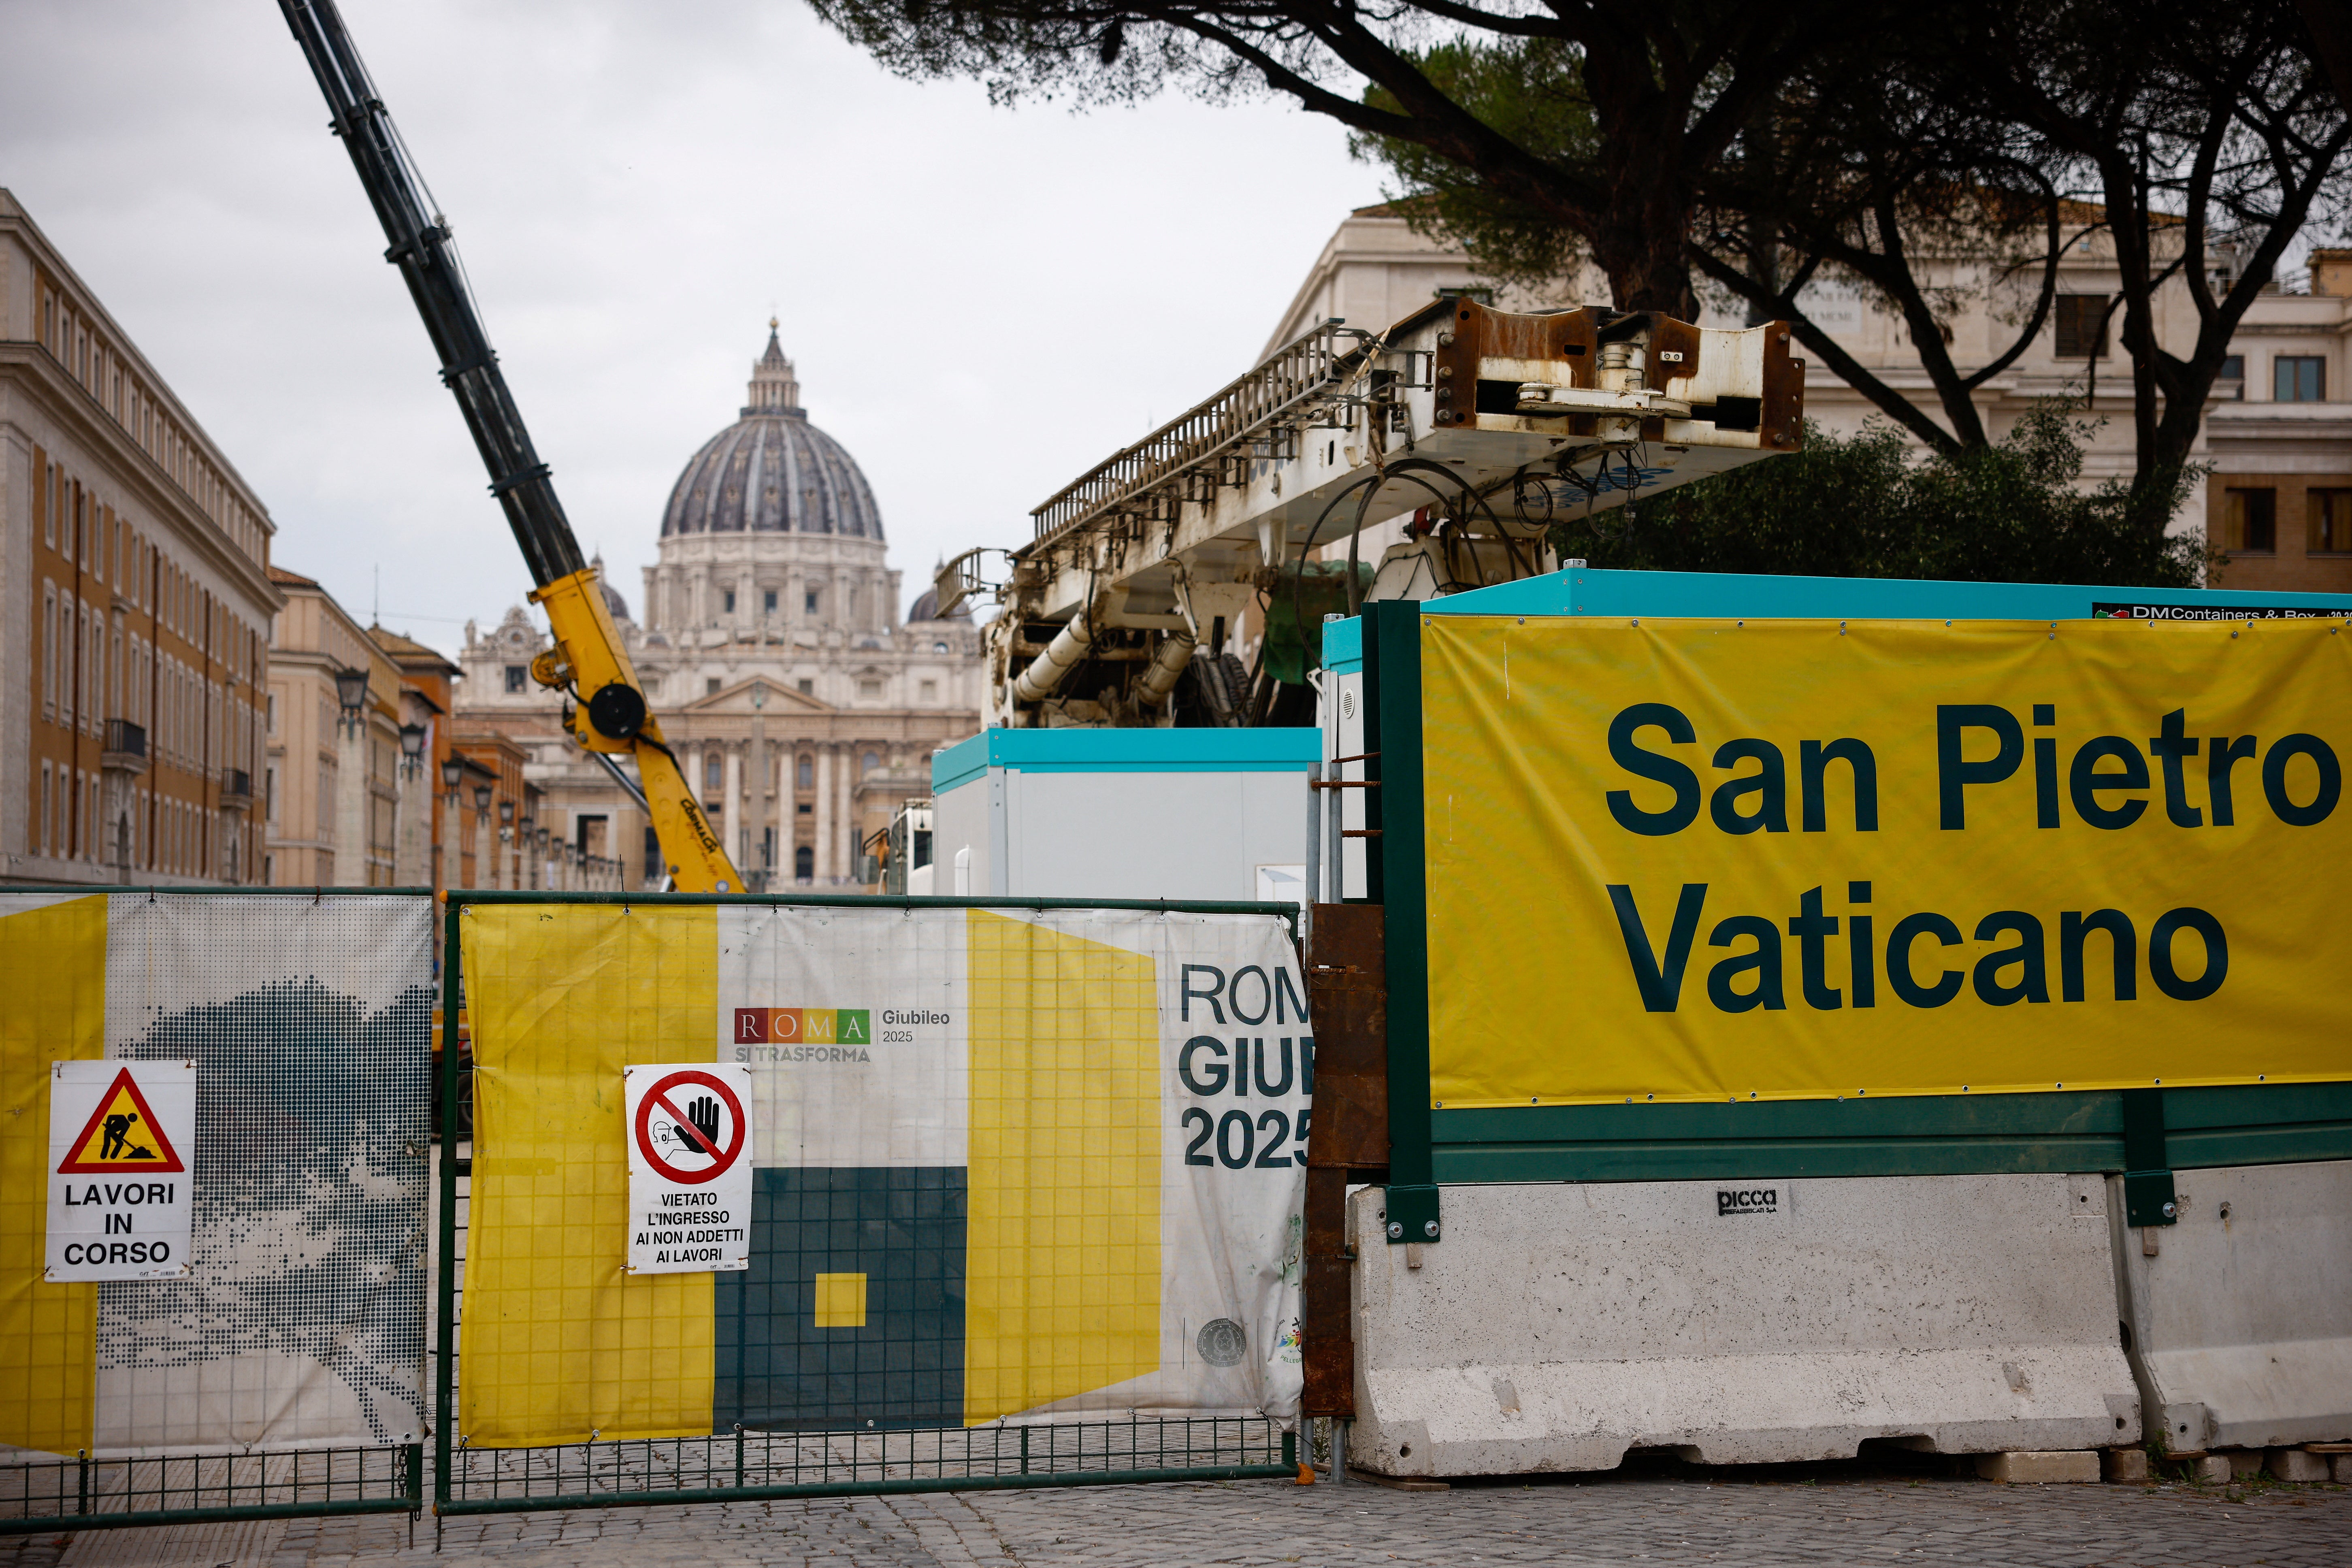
x: 689, y: 1132
x: 123, y: 1155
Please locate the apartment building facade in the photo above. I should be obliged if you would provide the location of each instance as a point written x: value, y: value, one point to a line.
x: 134, y: 603
x: 2276, y: 443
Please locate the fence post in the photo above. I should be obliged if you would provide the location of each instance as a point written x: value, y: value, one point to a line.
x: 452, y: 999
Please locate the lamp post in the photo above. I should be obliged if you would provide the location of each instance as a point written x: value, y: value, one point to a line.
x: 481, y: 831
x: 352, y: 694
x: 506, y: 837
x: 412, y: 750
x: 445, y: 844
x: 526, y: 855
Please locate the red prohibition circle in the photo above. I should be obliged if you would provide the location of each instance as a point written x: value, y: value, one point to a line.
x: 658, y: 1095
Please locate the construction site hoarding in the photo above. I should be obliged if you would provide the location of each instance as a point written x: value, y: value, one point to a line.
x: 1766, y: 859
x: 1005, y: 1164
x: 233, y: 1088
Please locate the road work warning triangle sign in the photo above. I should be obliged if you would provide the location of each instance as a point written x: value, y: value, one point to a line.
x: 122, y: 1135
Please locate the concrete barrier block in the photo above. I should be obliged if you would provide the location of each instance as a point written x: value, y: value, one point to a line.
x: 1558, y: 1325
x: 2340, y: 1467
x: 2039, y: 1469
x: 2244, y: 1463
x: 2294, y: 1465
x: 2241, y: 1326
x: 2124, y: 1465
x: 2212, y: 1469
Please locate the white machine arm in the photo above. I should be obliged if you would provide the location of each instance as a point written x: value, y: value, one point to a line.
x: 1488, y: 426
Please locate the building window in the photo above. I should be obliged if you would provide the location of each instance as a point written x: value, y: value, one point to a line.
x: 2299, y: 378
x: 713, y: 771
x: 808, y: 601
x: 805, y: 864
x: 2330, y: 515
x: 517, y: 679
x: 930, y: 690
x: 870, y: 762
x: 2082, y: 325
x: 808, y: 686
x: 2250, y: 520
x: 710, y: 686
x: 938, y: 647
x: 805, y: 810
x: 269, y: 794
x: 767, y: 600
x: 869, y: 690
x: 48, y: 811
x: 2231, y: 380
x: 804, y: 774
x: 727, y: 600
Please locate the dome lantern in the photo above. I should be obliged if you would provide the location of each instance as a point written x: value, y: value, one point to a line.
x: 774, y: 388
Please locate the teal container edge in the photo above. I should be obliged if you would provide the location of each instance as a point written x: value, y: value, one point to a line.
x: 1586, y: 591
x: 1289, y: 750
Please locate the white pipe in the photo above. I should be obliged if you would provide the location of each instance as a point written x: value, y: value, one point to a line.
x: 1049, y: 669
x: 1168, y: 663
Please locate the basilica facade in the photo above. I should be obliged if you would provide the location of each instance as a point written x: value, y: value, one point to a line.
x: 772, y: 653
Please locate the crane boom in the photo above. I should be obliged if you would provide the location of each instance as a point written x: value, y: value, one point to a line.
x: 607, y: 713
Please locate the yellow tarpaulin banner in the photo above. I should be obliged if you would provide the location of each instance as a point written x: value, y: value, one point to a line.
x: 1712, y: 859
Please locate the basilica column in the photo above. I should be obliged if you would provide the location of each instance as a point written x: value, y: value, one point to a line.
x: 734, y: 830
x: 825, y: 829
x: 845, y: 831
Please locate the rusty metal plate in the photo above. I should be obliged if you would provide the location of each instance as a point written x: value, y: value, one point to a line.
x: 1326, y: 1329
x: 1347, y: 999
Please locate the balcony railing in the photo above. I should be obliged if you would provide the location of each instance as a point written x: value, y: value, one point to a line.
x: 126, y: 747
x: 237, y: 787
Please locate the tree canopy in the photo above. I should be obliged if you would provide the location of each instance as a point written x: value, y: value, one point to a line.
x: 1919, y: 153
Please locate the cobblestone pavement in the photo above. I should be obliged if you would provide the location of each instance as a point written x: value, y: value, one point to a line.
x: 1834, y: 1515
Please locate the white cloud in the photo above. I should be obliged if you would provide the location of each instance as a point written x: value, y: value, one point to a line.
x: 981, y: 303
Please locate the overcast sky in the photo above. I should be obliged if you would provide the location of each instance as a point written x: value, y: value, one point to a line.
x: 981, y: 303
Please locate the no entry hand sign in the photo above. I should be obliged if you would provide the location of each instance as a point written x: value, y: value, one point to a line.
x: 689, y: 1140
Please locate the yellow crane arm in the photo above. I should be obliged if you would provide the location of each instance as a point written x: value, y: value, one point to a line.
x: 608, y: 713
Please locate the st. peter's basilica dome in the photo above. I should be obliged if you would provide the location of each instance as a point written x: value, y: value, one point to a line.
x: 773, y: 471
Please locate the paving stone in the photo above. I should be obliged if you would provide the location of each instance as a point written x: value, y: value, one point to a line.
x: 2037, y: 1467
x: 1769, y: 1518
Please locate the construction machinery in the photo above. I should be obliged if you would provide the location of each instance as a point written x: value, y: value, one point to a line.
x: 1481, y: 427
x: 606, y: 709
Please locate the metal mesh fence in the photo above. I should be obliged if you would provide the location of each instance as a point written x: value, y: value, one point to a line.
x: 968, y: 1173
x: 84, y: 1493
x: 747, y: 1464
x: 282, y: 1372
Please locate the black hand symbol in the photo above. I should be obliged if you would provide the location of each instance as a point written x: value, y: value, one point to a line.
x: 703, y: 1111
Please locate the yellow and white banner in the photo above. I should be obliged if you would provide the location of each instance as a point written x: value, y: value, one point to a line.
x: 240, y: 1081
x: 1006, y: 1165
x: 1714, y: 860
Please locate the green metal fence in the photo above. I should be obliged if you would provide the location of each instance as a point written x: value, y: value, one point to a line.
x: 865, y: 1460
x: 103, y: 1491
x: 85, y: 1493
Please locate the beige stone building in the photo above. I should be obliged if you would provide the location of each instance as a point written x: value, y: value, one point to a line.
x: 2278, y: 434
x: 799, y: 704
x: 134, y: 603
x: 334, y: 789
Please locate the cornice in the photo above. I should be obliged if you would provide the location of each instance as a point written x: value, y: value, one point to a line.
x: 73, y: 405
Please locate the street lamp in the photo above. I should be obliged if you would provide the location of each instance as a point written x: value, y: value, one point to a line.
x: 412, y: 749
x: 506, y: 817
x: 482, y: 802
x: 352, y: 691
x: 453, y: 773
